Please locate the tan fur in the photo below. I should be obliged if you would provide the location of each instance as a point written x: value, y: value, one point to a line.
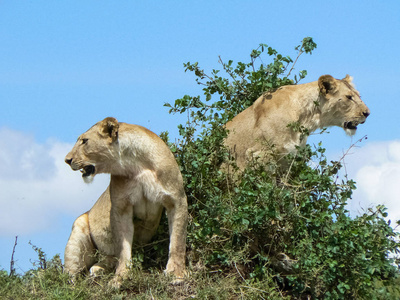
x: 323, y: 103
x: 145, y: 178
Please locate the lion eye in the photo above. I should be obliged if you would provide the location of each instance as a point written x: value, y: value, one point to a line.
x: 349, y: 97
x: 84, y: 141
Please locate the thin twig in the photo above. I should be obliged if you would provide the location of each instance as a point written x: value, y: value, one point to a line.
x: 229, y: 73
x: 239, y: 272
x: 150, y: 244
x: 348, y: 150
x: 300, y: 53
x: 253, y: 288
x: 12, y: 269
x: 252, y: 64
x: 152, y: 297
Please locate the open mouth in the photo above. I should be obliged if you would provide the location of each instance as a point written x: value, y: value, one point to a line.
x: 350, y: 125
x: 88, y: 170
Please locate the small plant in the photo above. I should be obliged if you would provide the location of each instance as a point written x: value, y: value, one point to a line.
x: 42, y: 260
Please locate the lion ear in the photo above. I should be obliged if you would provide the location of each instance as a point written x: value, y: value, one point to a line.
x: 327, y: 84
x: 110, y: 127
x: 348, y: 78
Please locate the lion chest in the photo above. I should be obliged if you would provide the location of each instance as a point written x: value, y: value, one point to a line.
x: 146, y: 218
x: 146, y: 211
x: 144, y: 195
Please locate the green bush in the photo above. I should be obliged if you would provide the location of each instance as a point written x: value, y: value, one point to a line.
x: 240, y: 221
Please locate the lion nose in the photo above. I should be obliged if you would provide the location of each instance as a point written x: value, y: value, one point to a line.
x: 366, y: 113
x: 68, y: 160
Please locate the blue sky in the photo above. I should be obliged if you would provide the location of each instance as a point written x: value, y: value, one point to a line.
x: 65, y: 65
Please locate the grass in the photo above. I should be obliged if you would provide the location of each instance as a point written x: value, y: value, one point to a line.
x: 52, y: 283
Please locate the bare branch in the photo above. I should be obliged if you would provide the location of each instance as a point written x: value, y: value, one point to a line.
x: 12, y: 268
x: 294, y: 63
x: 351, y: 147
x: 230, y: 73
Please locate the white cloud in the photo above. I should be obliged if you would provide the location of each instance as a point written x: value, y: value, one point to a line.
x: 37, y: 186
x: 376, y: 169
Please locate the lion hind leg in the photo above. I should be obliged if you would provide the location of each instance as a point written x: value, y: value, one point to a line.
x: 80, y: 252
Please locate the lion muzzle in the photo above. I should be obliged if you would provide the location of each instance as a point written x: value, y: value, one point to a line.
x: 351, y: 125
x: 88, y: 170
x: 85, y: 170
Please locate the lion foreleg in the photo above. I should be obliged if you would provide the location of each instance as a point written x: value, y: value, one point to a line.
x: 79, y: 253
x: 122, y: 232
x: 177, y: 222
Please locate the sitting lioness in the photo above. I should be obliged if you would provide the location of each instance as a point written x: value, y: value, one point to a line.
x: 145, y: 178
x: 323, y: 103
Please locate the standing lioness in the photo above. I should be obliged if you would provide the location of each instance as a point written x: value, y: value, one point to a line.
x: 145, y: 178
x: 323, y: 103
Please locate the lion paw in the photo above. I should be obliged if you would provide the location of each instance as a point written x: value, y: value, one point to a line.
x: 178, y: 277
x: 96, y: 271
x: 177, y: 281
x: 115, y: 283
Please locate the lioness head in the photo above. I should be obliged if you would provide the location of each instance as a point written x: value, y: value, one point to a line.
x: 342, y: 105
x: 95, y: 150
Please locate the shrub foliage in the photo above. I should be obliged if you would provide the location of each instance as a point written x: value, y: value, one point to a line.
x: 241, y: 225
